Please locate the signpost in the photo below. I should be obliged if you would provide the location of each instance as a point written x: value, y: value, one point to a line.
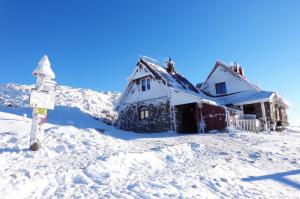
x: 42, y: 97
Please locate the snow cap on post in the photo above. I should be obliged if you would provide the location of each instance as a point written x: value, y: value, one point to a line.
x: 43, y: 69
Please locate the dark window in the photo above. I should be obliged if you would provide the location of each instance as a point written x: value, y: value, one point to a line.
x: 143, y: 85
x: 148, y: 84
x: 221, y: 88
x: 144, y: 113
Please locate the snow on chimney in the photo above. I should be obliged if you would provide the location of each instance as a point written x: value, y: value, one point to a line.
x: 238, y: 69
x: 170, y: 66
x: 241, y: 71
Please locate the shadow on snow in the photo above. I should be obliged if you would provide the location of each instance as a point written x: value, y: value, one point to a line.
x: 13, y: 150
x: 279, y: 177
x: 73, y: 116
x: 61, y: 115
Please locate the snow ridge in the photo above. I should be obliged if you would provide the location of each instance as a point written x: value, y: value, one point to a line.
x: 96, y: 104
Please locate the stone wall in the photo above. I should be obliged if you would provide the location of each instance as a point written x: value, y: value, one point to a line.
x: 159, y: 116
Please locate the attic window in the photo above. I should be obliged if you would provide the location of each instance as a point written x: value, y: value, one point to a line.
x: 144, y: 113
x: 221, y: 88
x: 144, y: 86
x: 148, y: 84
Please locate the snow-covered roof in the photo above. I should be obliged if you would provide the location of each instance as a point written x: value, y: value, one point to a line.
x: 247, y: 97
x: 172, y: 79
x: 233, y: 73
x: 44, y: 68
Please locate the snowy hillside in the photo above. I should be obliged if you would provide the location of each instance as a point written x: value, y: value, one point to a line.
x: 97, y: 104
x: 84, y: 158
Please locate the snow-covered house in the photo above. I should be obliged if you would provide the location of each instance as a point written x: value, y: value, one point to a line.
x: 229, y: 86
x: 158, y: 98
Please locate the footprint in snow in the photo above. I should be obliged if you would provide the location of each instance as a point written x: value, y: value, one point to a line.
x: 169, y: 158
x: 255, y: 155
x: 224, y: 180
x: 195, y: 146
x: 79, y: 180
x: 156, y: 149
x: 222, y: 153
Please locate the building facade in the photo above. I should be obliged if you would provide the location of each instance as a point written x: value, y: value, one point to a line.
x: 158, y: 99
x: 229, y: 86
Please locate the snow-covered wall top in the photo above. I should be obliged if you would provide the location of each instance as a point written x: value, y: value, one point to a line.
x: 234, y: 82
x: 97, y: 104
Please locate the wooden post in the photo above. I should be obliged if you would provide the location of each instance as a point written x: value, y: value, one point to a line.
x: 263, y: 110
x: 42, y: 97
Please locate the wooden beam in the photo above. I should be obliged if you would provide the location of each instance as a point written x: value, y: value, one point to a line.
x: 263, y: 110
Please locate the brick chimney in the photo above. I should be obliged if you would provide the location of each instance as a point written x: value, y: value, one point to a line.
x: 170, y: 66
x: 238, y: 69
x: 241, y: 71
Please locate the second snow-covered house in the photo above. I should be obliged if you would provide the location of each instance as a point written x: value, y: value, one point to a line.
x: 228, y: 86
x: 158, y: 98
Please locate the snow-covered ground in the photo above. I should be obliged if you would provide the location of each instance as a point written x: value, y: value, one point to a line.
x: 84, y: 158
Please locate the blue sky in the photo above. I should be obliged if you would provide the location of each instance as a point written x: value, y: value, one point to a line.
x: 96, y: 44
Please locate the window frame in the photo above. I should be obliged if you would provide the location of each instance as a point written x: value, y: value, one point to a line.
x: 221, y: 88
x: 143, y: 85
x: 148, y: 83
x: 144, y: 113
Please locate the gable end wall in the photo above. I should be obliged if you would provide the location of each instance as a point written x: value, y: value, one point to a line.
x: 234, y: 83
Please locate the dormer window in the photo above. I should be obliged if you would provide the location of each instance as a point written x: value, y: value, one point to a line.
x: 145, y: 84
x: 221, y: 88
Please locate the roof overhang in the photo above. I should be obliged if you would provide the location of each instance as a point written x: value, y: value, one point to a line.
x: 253, y: 101
x: 281, y: 101
x: 178, y: 97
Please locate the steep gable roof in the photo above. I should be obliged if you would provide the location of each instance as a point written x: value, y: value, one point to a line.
x: 230, y: 71
x: 174, y: 79
x: 243, y: 97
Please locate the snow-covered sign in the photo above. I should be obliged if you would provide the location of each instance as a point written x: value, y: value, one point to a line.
x: 41, y: 99
x: 43, y: 69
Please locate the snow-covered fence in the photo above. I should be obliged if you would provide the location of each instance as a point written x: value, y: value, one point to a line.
x: 249, y: 124
x: 249, y: 116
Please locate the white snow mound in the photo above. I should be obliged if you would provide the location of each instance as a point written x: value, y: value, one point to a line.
x: 44, y: 68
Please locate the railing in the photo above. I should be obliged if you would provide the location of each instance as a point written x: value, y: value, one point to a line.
x: 249, y: 116
x: 249, y: 125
